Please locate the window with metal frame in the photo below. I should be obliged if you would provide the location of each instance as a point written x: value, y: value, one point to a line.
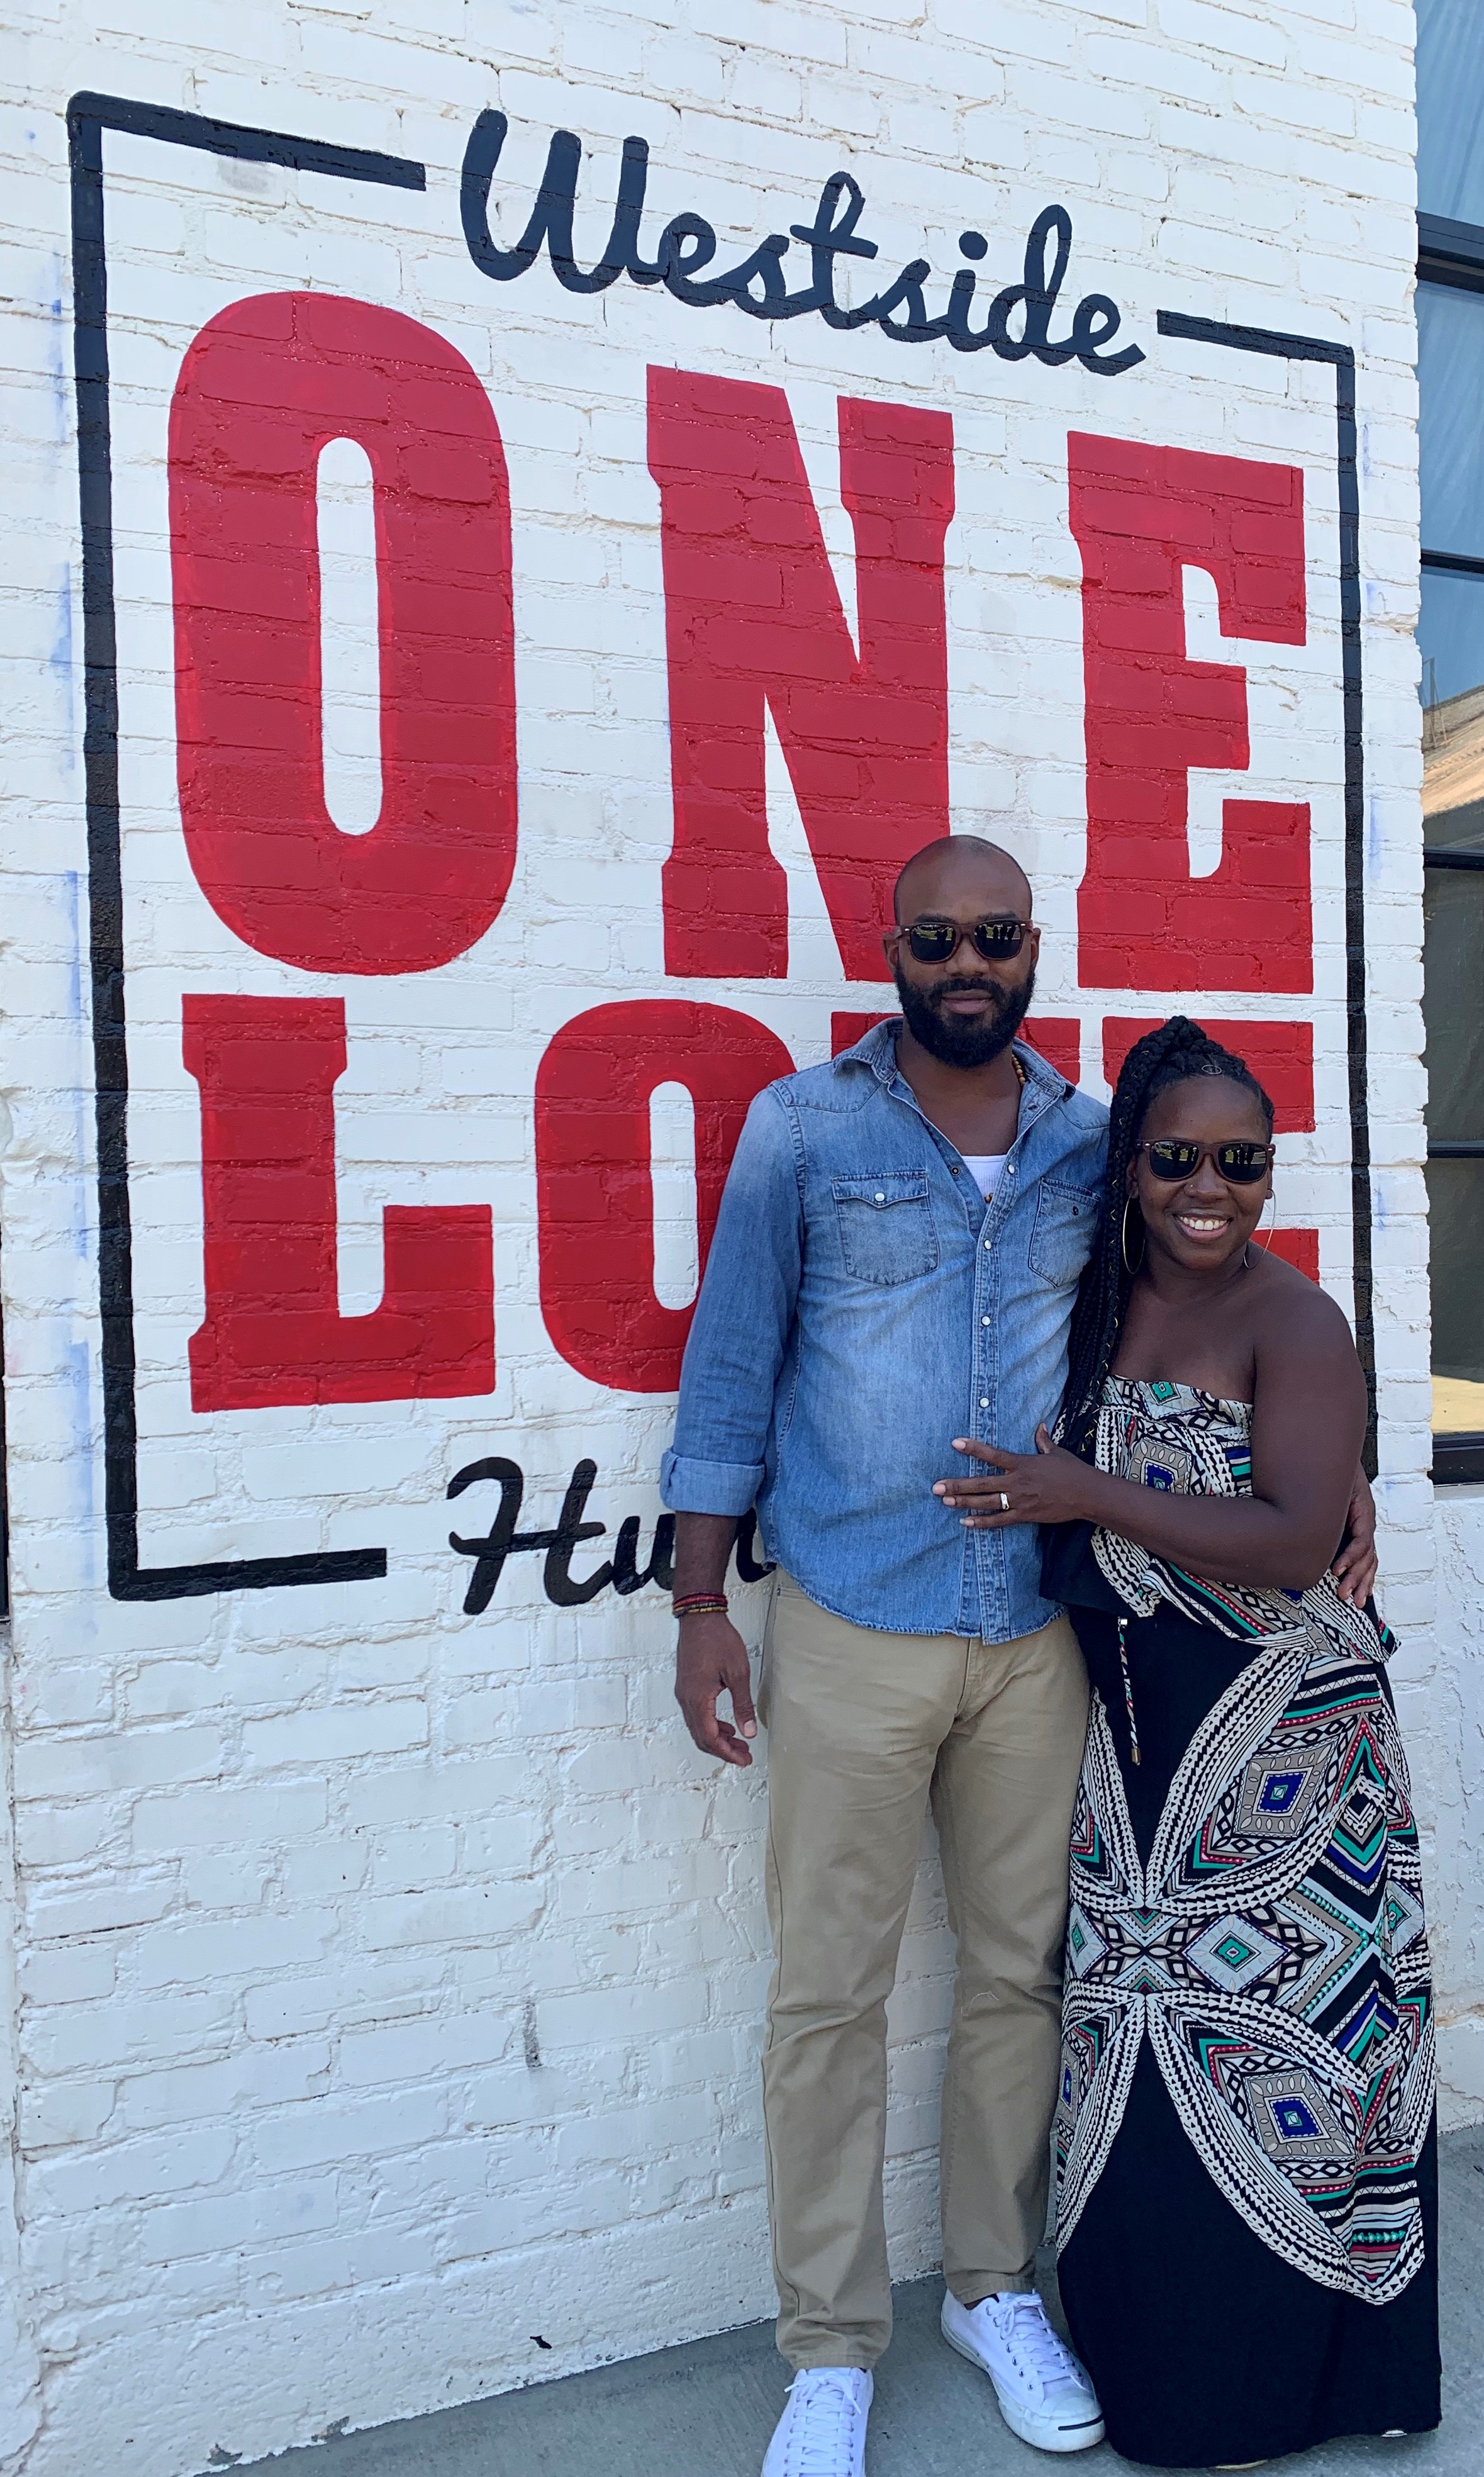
x: 1451, y: 375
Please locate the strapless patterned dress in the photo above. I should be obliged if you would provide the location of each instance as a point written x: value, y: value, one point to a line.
x: 1244, y: 2141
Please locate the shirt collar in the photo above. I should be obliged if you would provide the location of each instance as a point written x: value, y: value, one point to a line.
x: 878, y: 1050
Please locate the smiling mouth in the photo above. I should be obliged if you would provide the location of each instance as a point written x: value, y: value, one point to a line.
x: 1202, y: 1225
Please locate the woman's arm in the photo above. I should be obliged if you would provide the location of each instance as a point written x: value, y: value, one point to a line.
x: 1308, y: 1419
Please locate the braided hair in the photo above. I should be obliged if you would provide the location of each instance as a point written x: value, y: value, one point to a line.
x: 1178, y: 1051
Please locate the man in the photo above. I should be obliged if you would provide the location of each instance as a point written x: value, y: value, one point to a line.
x: 894, y: 1266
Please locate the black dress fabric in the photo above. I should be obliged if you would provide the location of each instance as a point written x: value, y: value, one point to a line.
x: 1204, y: 2346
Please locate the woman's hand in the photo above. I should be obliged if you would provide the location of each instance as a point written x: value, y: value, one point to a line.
x: 1354, y: 1568
x: 1048, y: 1486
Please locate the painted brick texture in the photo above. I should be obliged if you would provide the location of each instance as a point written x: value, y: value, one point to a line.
x: 386, y: 1974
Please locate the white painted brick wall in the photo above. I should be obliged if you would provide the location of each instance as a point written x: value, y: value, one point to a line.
x: 386, y: 1983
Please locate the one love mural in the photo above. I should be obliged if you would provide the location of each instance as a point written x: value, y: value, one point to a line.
x: 218, y: 449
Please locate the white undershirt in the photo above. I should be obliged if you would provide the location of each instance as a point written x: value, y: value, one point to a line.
x: 985, y: 1169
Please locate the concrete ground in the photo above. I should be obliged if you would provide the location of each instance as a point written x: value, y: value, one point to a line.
x: 707, y: 2410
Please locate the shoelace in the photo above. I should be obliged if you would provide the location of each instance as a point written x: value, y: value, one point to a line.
x: 824, y: 2417
x: 1034, y: 2343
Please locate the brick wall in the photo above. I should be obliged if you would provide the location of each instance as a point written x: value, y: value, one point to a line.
x: 385, y: 1997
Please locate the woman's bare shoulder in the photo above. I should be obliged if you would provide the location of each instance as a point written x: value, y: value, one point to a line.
x: 1293, y: 1310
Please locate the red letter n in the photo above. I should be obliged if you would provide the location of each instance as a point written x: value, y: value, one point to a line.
x: 1141, y: 517
x: 273, y: 1332
x: 754, y: 626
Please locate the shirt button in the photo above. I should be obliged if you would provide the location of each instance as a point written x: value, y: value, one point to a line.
x: 983, y: 1401
x: 983, y: 1319
x: 880, y: 1199
x: 989, y: 1242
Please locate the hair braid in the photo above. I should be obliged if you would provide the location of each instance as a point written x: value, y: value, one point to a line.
x: 1175, y: 1053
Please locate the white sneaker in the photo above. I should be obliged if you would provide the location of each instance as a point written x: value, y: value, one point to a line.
x: 822, y: 2433
x: 1044, y: 2395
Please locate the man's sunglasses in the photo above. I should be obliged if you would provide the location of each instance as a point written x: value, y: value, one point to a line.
x: 938, y: 942
x: 1239, y: 1164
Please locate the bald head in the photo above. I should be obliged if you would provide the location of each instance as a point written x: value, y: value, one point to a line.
x: 962, y: 874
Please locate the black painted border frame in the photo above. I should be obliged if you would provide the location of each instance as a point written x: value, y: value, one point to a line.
x: 1342, y: 360
x: 88, y: 118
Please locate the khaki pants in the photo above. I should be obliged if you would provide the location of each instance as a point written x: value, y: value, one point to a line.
x: 862, y: 1729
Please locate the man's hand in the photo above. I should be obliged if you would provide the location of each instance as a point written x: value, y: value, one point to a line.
x: 1048, y: 1486
x: 709, y: 1661
x: 1354, y: 1570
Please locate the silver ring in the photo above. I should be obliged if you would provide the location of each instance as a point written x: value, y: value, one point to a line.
x: 1005, y: 1502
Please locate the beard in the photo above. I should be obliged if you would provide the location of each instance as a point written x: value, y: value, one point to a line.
x: 949, y: 1039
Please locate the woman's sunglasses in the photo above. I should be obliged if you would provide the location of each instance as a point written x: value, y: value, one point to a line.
x: 938, y: 942
x: 1239, y: 1164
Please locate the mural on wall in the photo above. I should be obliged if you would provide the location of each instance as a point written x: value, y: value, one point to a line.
x: 382, y: 1043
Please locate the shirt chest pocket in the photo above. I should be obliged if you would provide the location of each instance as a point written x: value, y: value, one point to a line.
x: 1061, y: 1238
x: 887, y: 1232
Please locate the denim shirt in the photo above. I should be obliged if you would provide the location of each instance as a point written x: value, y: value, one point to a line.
x: 862, y: 1306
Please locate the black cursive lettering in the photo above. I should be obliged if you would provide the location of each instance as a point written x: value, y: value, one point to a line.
x: 1086, y: 338
x: 1036, y: 293
x: 551, y: 217
x: 557, y: 1575
x: 660, y: 1568
x: 556, y: 1546
x: 831, y: 235
x: 758, y: 285
x: 503, y: 1539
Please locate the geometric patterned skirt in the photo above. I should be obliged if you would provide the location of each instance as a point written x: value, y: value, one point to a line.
x: 1247, y: 2168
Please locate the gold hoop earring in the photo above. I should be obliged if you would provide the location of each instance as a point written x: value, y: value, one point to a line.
x: 1130, y: 1265
x: 1272, y: 1227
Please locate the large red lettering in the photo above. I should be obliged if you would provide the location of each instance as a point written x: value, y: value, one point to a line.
x: 273, y: 1331
x: 594, y: 1185
x: 1141, y: 516
x: 753, y: 624
x: 262, y: 388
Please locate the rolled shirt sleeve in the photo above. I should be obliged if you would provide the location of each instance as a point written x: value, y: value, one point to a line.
x: 687, y: 1486
x: 744, y: 1317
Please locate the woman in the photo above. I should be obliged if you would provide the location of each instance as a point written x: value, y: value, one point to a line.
x: 1247, y: 2156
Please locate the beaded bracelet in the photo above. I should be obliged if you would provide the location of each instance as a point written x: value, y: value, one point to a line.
x: 700, y: 1604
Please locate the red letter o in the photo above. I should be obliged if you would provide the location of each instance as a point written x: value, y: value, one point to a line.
x: 262, y: 388
x: 594, y: 1190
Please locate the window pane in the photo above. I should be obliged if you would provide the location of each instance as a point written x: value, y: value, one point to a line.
x: 1452, y: 636
x: 1450, y: 108
x: 1450, y: 378
x: 1455, y: 1199
x: 1450, y: 324
x: 1453, y: 1011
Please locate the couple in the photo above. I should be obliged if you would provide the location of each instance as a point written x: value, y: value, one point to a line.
x: 927, y: 1250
